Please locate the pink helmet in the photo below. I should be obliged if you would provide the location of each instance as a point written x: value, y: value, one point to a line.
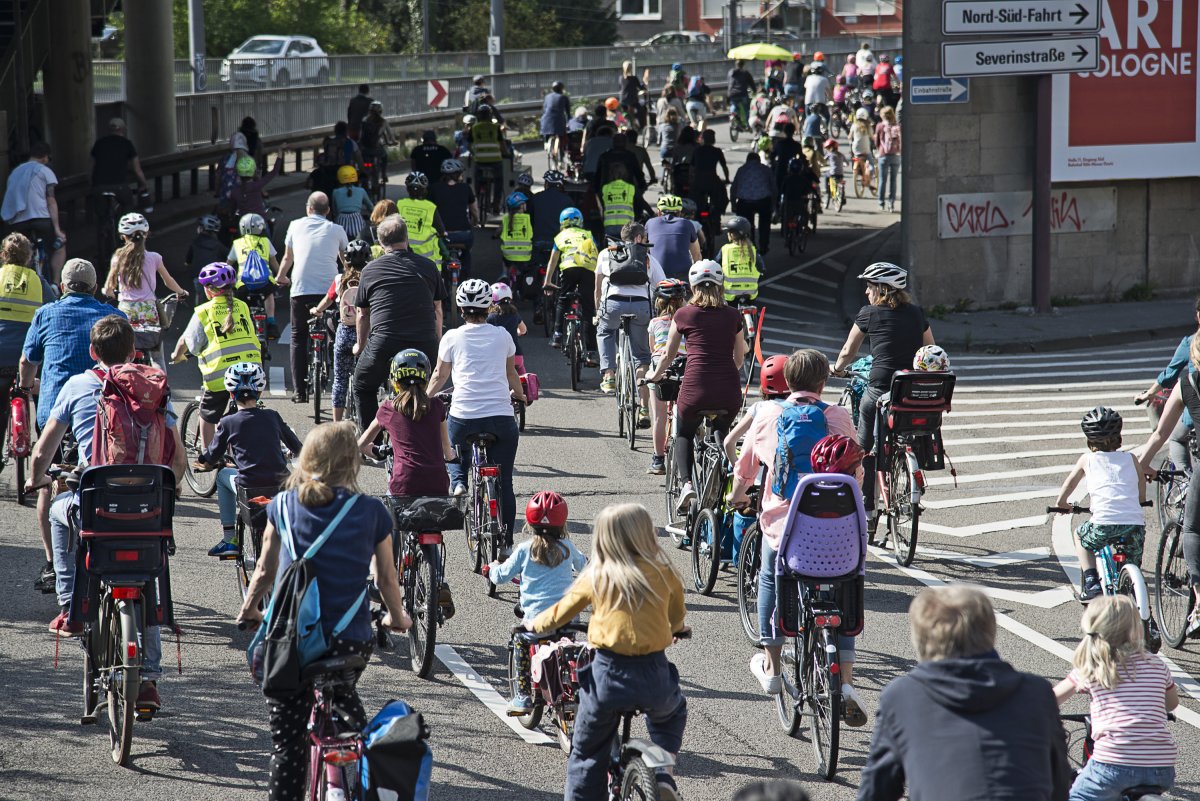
x: 217, y: 275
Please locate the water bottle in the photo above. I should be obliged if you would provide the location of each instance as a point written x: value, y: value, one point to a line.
x: 335, y: 794
x: 20, y: 429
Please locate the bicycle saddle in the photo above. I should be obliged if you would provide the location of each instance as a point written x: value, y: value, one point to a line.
x: 1141, y: 791
x: 482, y: 438
x: 332, y: 666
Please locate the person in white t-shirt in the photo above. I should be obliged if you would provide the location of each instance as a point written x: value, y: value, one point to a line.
x: 864, y: 59
x: 480, y: 359
x: 30, y: 208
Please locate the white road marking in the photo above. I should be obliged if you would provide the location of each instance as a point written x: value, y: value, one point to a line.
x: 1001, y: 456
x: 1071, y: 363
x: 801, y: 267
x: 1044, y: 599
x: 1075, y: 435
x: 975, y: 478
x: 278, y: 382
x: 820, y: 281
x: 975, y: 386
x: 1049, y: 397
x: 1102, y: 356
x: 803, y: 293
x: 990, y: 527
x: 992, y: 560
x: 804, y: 343
x: 1032, y: 412
x: 1064, y: 546
x: 1058, y: 375
x: 487, y: 694
x: 1013, y: 424
x: 770, y: 303
x: 1048, y: 492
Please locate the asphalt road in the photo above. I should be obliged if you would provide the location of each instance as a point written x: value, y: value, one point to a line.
x: 1012, y: 436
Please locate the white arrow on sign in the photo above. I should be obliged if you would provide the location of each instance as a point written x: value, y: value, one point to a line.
x: 1021, y: 56
x: 980, y: 17
x: 437, y: 95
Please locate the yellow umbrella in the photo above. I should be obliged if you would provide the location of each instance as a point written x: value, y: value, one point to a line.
x: 760, y: 51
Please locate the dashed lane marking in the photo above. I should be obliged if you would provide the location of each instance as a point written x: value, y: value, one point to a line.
x: 1011, y: 424
x: 990, y: 527
x: 1075, y: 435
x: 1043, y: 599
x: 976, y: 385
x: 278, y: 382
x: 1034, y: 412
x: 1042, y: 399
x: 991, y: 560
x: 1103, y: 356
x: 975, y: 478
x: 996, y: 364
x: 953, y: 503
x: 486, y: 694
x: 820, y: 259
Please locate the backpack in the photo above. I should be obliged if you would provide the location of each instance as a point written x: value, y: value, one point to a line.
x: 256, y: 274
x: 889, y: 139
x: 799, y: 428
x: 292, y: 636
x: 398, y: 760
x: 131, y: 417
x: 629, y: 264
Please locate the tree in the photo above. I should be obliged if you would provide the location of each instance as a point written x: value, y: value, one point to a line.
x: 228, y: 23
x: 464, y: 24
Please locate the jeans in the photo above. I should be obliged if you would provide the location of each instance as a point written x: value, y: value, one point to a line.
x: 867, y: 410
x: 889, y: 171
x: 372, y: 369
x: 610, y: 685
x: 1099, y: 781
x: 301, y: 305
x: 227, y: 496
x: 502, y: 452
x: 769, y: 632
x: 793, y: 90
x: 463, y: 238
x: 1177, y: 446
x: 343, y: 363
x: 611, y: 310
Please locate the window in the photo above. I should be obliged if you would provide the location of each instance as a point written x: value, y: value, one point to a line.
x: 864, y: 8
x: 713, y: 9
x: 639, y: 9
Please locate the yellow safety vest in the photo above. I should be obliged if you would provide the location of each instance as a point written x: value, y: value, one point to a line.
x: 485, y: 142
x: 740, y: 266
x: 20, y: 293
x: 422, y: 236
x: 242, y: 247
x: 617, y: 197
x: 225, y: 350
x: 576, y: 248
x: 516, y: 237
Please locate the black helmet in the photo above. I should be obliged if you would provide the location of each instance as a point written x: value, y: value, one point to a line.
x: 416, y: 179
x: 553, y: 178
x: 358, y: 253
x: 1101, y: 423
x: 738, y: 225
x: 408, y: 367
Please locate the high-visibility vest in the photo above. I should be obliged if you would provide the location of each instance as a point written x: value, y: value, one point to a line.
x: 485, y: 142
x: 20, y: 293
x: 740, y: 265
x: 422, y: 236
x: 242, y: 247
x: 225, y: 350
x: 617, y: 197
x: 516, y: 237
x: 576, y: 248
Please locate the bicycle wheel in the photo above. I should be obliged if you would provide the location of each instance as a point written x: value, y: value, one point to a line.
x: 733, y: 129
x: 902, y: 514
x: 203, y: 484
x: 22, y: 465
x: 94, y: 636
x: 531, y: 720
x: 859, y: 186
x: 489, y: 546
x: 823, y: 693
x: 638, y: 782
x: 241, y: 575
x: 573, y: 355
x: 475, y: 525
x: 631, y: 397
x: 706, y: 551
x: 671, y: 496
x: 621, y: 390
x: 122, y: 681
x: 787, y: 703
x: 749, y: 562
x: 1132, y: 584
x: 841, y: 197
x: 316, y: 378
x: 422, y: 602
x: 549, y: 311
x: 1173, y: 595
x: 829, y: 190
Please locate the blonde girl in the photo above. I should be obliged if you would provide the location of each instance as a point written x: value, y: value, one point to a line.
x: 669, y: 297
x: 637, y: 608
x: 862, y: 148
x: 1131, y: 693
x: 134, y: 272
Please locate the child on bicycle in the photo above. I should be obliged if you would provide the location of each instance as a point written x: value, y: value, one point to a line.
x: 835, y: 166
x: 251, y: 437
x: 740, y: 261
x: 134, y: 272
x: 255, y: 239
x: 344, y: 290
x: 504, y: 314
x: 205, y: 248
x: 799, y: 185
x: 1117, y: 488
x: 669, y: 297
x: 1131, y: 693
x: 547, y: 564
x: 637, y: 607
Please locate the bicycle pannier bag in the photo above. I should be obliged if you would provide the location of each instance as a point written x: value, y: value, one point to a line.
x: 131, y: 417
x: 398, y: 760
x: 430, y: 514
x: 531, y: 385
x: 799, y: 428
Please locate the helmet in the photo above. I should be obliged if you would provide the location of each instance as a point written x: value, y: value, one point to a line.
x: 580, y: 112
x: 571, y: 217
x: 1101, y: 423
x: 818, y: 56
x: 133, y: 224
x: 841, y: 80
x: 836, y: 454
x: 346, y: 174
x: 474, y: 293
x: 831, y: 144
x: 252, y: 225
x: 670, y: 288
x: 672, y: 204
x: 245, y: 377
x: 245, y: 167
x: 553, y: 178
x: 868, y: 95
x: 676, y: 67
x: 689, y: 208
x: 468, y: 119
x: 884, y: 59
x: 210, y: 224
x: 451, y: 166
x: 501, y: 291
x: 932, y: 358
x: 484, y: 109
x: 738, y: 225
x: 217, y: 275
x: 884, y: 272
x: 546, y: 509
x: 524, y: 179
x: 358, y: 253
x: 557, y: 86
x: 416, y: 178
x: 861, y: 114
x: 409, y: 366
x: 516, y: 200
x: 612, y: 104
x: 375, y: 106
x: 706, y: 271
x: 899, y: 59
x: 771, y: 376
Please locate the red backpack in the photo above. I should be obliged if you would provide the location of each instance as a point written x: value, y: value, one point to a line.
x: 131, y: 417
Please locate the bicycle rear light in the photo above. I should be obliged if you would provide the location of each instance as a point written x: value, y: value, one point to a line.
x: 131, y: 650
x: 340, y: 758
x: 430, y: 538
x: 1118, y: 557
x: 832, y: 621
x: 493, y: 507
x: 489, y: 472
x: 127, y: 593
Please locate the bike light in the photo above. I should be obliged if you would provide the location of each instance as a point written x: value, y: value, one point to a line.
x: 430, y: 538
x: 919, y: 476
x: 492, y: 507
x: 835, y: 667
x: 131, y: 650
x: 127, y: 593
x: 489, y: 472
x: 125, y: 556
x: 1119, y: 558
x: 340, y: 758
x: 317, y: 337
x: 920, y: 421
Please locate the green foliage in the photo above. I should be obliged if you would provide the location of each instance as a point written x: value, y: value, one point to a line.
x: 463, y: 25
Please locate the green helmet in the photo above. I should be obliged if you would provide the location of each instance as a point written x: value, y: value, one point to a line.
x: 246, y: 167
x: 672, y: 204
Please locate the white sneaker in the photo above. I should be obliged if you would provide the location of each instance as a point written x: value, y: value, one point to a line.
x: 459, y: 490
x: 852, y: 711
x: 686, y: 497
x: 772, y: 685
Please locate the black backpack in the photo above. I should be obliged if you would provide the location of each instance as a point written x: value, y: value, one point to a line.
x: 629, y: 264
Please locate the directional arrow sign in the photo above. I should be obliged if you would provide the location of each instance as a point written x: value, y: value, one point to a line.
x: 938, y: 90
x: 1021, y: 56
x: 981, y: 17
x: 437, y: 95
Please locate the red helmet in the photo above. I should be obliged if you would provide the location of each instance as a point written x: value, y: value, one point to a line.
x: 771, y: 376
x: 836, y: 454
x: 546, y: 509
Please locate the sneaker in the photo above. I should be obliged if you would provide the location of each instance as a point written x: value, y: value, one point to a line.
x: 538, y: 317
x: 608, y: 384
x: 148, y: 697
x: 223, y: 549
x: 446, y: 602
x: 643, y: 419
x: 852, y: 711
x: 300, y: 396
x: 63, y: 627
x: 771, y: 685
x: 521, y: 704
x: 272, y: 331
x: 658, y: 466
x: 556, y: 341
x: 686, y: 496
x: 1193, y: 629
x: 591, y: 359
x: 459, y: 490
x: 1091, y: 586
x: 891, y: 207
x: 45, y: 579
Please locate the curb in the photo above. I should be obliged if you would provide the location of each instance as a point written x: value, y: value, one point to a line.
x: 1169, y: 333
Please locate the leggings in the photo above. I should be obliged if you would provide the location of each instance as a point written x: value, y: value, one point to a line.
x: 686, y: 425
x: 1191, y: 530
x: 343, y: 363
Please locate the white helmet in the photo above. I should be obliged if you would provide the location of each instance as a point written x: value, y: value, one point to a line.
x: 474, y: 293
x: 245, y: 377
x: 133, y: 223
x: 884, y: 272
x: 862, y: 114
x: 252, y: 225
x: 931, y: 358
x: 468, y: 119
x: 501, y: 291
x: 706, y: 271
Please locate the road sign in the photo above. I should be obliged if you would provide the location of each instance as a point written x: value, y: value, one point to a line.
x: 938, y: 90
x: 493, y: 45
x: 1021, y: 56
x: 437, y: 95
x: 982, y: 17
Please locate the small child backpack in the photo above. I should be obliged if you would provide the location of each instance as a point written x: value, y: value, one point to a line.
x: 799, y: 428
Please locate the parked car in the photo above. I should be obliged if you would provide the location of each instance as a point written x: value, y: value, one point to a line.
x: 275, y: 61
x: 678, y: 37
x: 108, y: 43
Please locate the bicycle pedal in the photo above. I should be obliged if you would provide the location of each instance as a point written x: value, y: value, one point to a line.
x: 88, y: 720
x: 143, y: 715
x: 229, y: 557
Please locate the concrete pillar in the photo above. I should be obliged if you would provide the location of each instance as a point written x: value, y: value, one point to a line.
x: 150, y: 76
x: 69, y: 88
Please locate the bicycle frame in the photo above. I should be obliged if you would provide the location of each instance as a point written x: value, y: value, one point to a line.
x: 330, y: 751
x: 1111, y: 563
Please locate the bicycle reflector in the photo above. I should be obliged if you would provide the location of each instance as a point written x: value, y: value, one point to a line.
x: 131, y: 650
x: 1118, y: 557
x: 831, y: 621
x: 340, y: 758
x: 489, y: 472
x: 127, y: 593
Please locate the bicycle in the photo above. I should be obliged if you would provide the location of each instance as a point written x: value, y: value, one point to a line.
x: 708, y: 530
x: 858, y: 373
x: 251, y: 523
x: 863, y: 175
x: 1174, y: 598
x: 18, y: 436
x: 749, y: 562
x: 320, y: 354
x: 711, y: 225
x: 202, y: 482
x: 749, y: 312
x: 627, y: 386
x: 738, y: 119
x: 336, y: 747
x: 258, y: 316
x: 795, y: 232
x: 558, y: 690
x: 835, y: 191
x: 1141, y: 792
x: 108, y: 211
x: 376, y: 183
x: 452, y: 275
x: 572, y: 342
x: 421, y: 564
x: 667, y: 390
x: 485, y: 534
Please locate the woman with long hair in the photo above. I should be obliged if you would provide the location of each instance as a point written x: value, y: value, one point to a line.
x: 887, y: 145
x: 134, y: 272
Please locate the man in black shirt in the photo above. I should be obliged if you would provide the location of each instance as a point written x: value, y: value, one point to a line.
x: 112, y: 158
x: 707, y: 189
x: 741, y: 86
x: 428, y: 156
x: 456, y: 205
x: 359, y: 105
x: 399, y: 304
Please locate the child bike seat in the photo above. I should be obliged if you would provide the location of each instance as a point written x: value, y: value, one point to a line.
x: 824, y: 535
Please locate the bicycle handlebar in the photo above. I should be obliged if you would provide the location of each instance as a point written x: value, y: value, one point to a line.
x: 1073, y: 509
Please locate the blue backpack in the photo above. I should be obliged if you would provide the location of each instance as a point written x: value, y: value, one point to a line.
x: 398, y: 760
x: 256, y: 273
x: 800, y: 427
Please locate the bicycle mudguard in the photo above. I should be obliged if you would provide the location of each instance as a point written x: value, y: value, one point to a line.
x: 651, y: 754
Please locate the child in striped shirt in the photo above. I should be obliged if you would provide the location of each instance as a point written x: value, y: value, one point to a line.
x: 1131, y: 693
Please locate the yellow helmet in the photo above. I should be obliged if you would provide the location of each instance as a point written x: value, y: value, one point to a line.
x: 346, y: 174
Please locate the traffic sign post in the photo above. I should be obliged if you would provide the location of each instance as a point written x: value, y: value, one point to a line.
x: 938, y: 90
x: 437, y: 95
x: 1021, y: 56
x: 984, y: 17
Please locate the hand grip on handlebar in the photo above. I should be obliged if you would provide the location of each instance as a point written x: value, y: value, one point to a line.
x: 1068, y: 510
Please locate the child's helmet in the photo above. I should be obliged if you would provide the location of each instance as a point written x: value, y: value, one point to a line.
x: 1101, y: 423
x: 501, y: 291
x: 546, y: 508
x: 245, y: 377
x: 932, y: 358
x: 670, y: 288
x: 515, y: 201
x: 836, y: 454
x: 408, y: 367
x: 570, y: 217
x: 217, y: 275
x: 738, y: 225
x: 771, y: 381
x: 210, y: 224
x: 245, y: 167
x: 252, y: 225
x: 474, y: 293
x: 358, y: 253
x: 346, y: 174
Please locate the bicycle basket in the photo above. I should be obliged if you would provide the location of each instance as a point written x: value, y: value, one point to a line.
x: 147, y: 339
x: 166, y: 311
x: 845, y: 594
x: 426, y: 514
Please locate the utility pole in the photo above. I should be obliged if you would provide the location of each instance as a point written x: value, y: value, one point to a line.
x: 196, y: 45
x: 425, y: 27
x: 682, y: 19
x: 496, y: 37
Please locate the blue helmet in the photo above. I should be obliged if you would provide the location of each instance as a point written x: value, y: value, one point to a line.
x: 516, y: 200
x: 570, y: 217
x: 676, y: 66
